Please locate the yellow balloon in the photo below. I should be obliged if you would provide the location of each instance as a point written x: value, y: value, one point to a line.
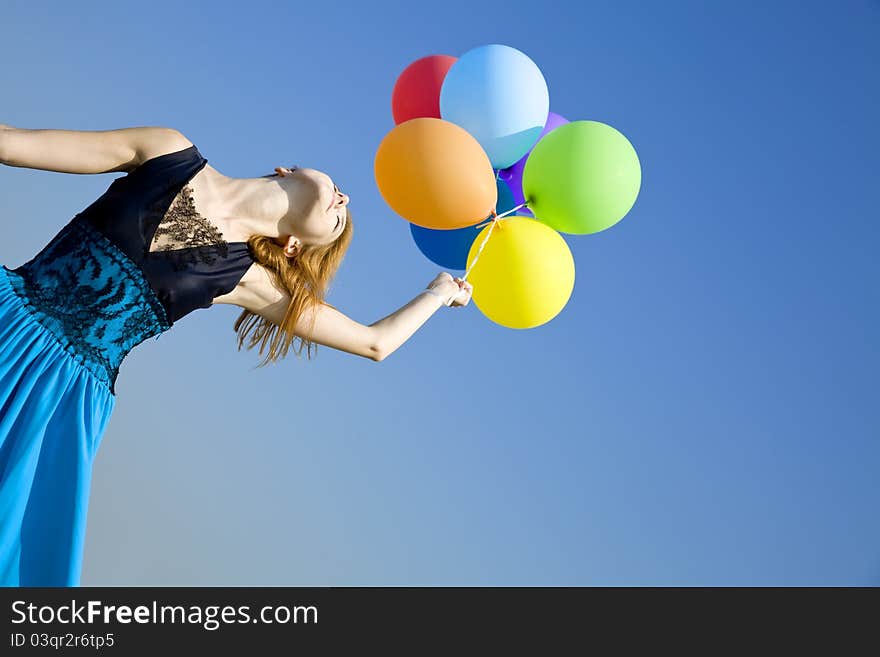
x: 435, y: 174
x: 524, y: 275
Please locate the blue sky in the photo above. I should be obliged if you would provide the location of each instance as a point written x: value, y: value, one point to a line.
x: 704, y: 410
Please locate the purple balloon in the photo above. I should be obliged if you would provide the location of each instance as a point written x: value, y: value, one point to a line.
x: 512, y: 175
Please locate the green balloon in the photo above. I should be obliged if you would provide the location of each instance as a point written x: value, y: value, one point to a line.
x: 582, y: 177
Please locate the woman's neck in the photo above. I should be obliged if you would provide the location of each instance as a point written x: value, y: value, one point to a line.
x: 257, y: 205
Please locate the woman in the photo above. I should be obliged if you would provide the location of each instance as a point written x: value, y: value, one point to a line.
x: 171, y: 236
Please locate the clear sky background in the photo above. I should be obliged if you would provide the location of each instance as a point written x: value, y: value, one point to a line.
x: 705, y: 409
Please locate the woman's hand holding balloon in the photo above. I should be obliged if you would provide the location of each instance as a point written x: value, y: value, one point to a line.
x: 464, y: 294
x: 453, y: 291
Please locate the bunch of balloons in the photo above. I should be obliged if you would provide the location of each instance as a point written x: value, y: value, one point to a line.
x: 474, y: 140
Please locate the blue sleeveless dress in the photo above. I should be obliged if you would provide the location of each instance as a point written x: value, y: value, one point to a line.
x: 68, y: 317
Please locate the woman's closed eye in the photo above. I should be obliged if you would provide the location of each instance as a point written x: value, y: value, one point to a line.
x: 339, y: 216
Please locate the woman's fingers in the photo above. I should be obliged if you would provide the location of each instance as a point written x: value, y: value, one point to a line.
x: 464, y: 293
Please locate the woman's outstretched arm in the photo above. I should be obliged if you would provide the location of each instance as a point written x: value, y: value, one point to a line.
x: 399, y: 326
x: 85, y: 151
x: 379, y: 339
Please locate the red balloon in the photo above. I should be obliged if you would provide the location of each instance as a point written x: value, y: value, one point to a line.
x: 417, y: 91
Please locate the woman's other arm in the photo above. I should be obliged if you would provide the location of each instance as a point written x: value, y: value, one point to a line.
x: 86, y: 151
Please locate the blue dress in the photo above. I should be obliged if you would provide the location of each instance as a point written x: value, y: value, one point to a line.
x: 68, y: 317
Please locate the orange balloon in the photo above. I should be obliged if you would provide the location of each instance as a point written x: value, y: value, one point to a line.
x: 435, y: 174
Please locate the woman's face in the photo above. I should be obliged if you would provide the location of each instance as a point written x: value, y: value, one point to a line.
x: 320, y: 213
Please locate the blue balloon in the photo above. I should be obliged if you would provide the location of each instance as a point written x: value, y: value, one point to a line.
x: 450, y: 248
x: 505, y: 197
x: 500, y: 97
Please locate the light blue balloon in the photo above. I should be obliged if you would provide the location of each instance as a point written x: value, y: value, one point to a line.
x: 500, y: 97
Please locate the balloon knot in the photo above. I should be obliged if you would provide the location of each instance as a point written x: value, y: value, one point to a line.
x: 494, y: 220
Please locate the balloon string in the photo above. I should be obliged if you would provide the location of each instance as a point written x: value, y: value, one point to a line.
x: 494, y: 220
x: 503, y: 214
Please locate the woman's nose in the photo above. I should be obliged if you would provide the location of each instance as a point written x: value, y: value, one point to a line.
x: 342, y: 198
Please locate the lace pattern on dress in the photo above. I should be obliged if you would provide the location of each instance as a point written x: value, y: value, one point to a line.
x: 92, y: 297
x: 187, y: 235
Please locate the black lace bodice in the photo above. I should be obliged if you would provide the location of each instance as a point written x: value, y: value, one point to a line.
x: 186, y: 236
x: 101, y: 290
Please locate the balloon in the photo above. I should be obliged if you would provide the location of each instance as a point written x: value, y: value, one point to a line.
x: 524, y: 275
x: 512, y: 175
x: 582, y: 177
x: 449, y: 248
x: 499, y: 95
x: 417, y: 90
x: 434, y: 174
x: 505, y: 200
